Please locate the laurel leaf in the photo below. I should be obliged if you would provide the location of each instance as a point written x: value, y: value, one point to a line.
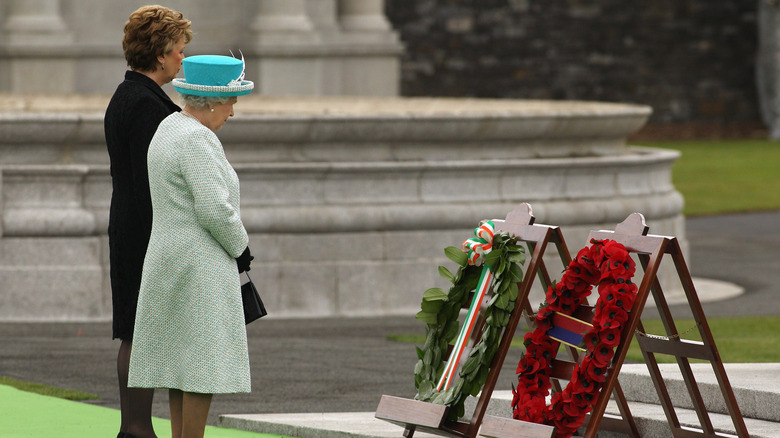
x: 456, y: 255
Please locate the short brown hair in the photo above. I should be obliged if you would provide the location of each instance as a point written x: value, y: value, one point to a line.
x: 152, y: 31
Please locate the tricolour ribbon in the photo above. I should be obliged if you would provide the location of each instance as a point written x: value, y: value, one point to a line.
x: 477, y: 248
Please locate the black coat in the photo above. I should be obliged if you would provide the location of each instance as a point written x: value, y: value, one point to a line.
x: 136, y: 108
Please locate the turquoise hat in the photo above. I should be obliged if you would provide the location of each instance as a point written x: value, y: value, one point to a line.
x: 213, y: 76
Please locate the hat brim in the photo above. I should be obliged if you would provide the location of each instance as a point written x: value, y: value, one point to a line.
x: 181, y: 86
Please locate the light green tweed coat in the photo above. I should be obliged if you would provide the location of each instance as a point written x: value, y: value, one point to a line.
x: 189, y: 327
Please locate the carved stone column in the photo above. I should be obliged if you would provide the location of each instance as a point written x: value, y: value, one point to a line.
x: 284, y: 37
x: 35, y: 49
x: 363, y: 15
x: 281, y: 16
x: 35, y: 22
x: 363, y: 24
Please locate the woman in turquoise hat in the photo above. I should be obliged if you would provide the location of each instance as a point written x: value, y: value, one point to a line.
x: 153, y: 43
x: 190, y: 335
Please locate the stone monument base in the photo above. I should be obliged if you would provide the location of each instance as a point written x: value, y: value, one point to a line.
x: 349, y: 202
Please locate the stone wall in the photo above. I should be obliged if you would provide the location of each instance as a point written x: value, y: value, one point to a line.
x: 690, y: 60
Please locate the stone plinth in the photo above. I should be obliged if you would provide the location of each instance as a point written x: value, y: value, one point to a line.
x: 349, y: 202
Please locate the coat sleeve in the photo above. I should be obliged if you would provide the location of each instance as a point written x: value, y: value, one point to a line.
x: 206, y: 172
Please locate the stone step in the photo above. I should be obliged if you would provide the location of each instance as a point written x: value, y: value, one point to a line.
x: 754, y: 387
x: 650, y: 420
x: 322, y: 425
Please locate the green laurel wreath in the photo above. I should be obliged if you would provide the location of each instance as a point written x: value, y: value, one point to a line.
x: 440, y: 310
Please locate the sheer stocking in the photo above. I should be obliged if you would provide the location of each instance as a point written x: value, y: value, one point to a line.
x: 135, y: 403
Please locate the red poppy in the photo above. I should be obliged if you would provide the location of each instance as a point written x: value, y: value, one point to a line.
x: 586, y: 399
x: 609, y: 293
x: 544, y: 351
x: 628, y: 288
x: 609, y: 337
x: 582, y: 290
x: 595, y: 372
x: 603, y: 355
x: 615, y: 251
x: 583, y: 257
x: 533, y: 409
x: 617, y: 294
x: 551, y: 296
x: 608, y: 264
x: 616, y: 269
x: 580, y: 272
x: 529, y: 383
x: 556, y: 412
x: 596, y: 251
x: 571, y: 278
x: 544, y: 317
x: 566, y: 417
x: 592, y: 339
x: 529, y: 365
x: 566, y: 426
x: 580, y: 384
x: 587, y: 257
x: 608, y: 313
x: 573, y: 410
x: 538, y: 336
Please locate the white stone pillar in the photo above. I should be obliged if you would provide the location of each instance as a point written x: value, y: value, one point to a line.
x: 363, y: 15
x: 363, y: 24
x: 33, y: 22
x: 36, y: 53
x: 284, y: 39
x: 324, y: 17
x: 288, y: 16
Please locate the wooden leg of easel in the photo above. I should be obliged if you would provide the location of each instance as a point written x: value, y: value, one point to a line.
x: 409, y: 431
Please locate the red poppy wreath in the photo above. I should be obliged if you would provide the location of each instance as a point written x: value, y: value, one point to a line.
x: 608, y: 265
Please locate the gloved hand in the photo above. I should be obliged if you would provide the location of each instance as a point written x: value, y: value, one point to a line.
x: 244, y: 260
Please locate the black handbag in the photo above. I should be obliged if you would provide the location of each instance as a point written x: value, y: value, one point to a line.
x: 253, y: 305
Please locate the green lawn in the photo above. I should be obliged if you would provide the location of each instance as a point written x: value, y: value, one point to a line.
x: 30, y: 414
x: 726, y: 176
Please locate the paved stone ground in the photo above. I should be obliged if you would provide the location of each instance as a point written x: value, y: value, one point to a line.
x: 740, y: 249
x: 340, y: 365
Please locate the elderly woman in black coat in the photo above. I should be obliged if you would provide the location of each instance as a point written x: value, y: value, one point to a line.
x: 153, y: 44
